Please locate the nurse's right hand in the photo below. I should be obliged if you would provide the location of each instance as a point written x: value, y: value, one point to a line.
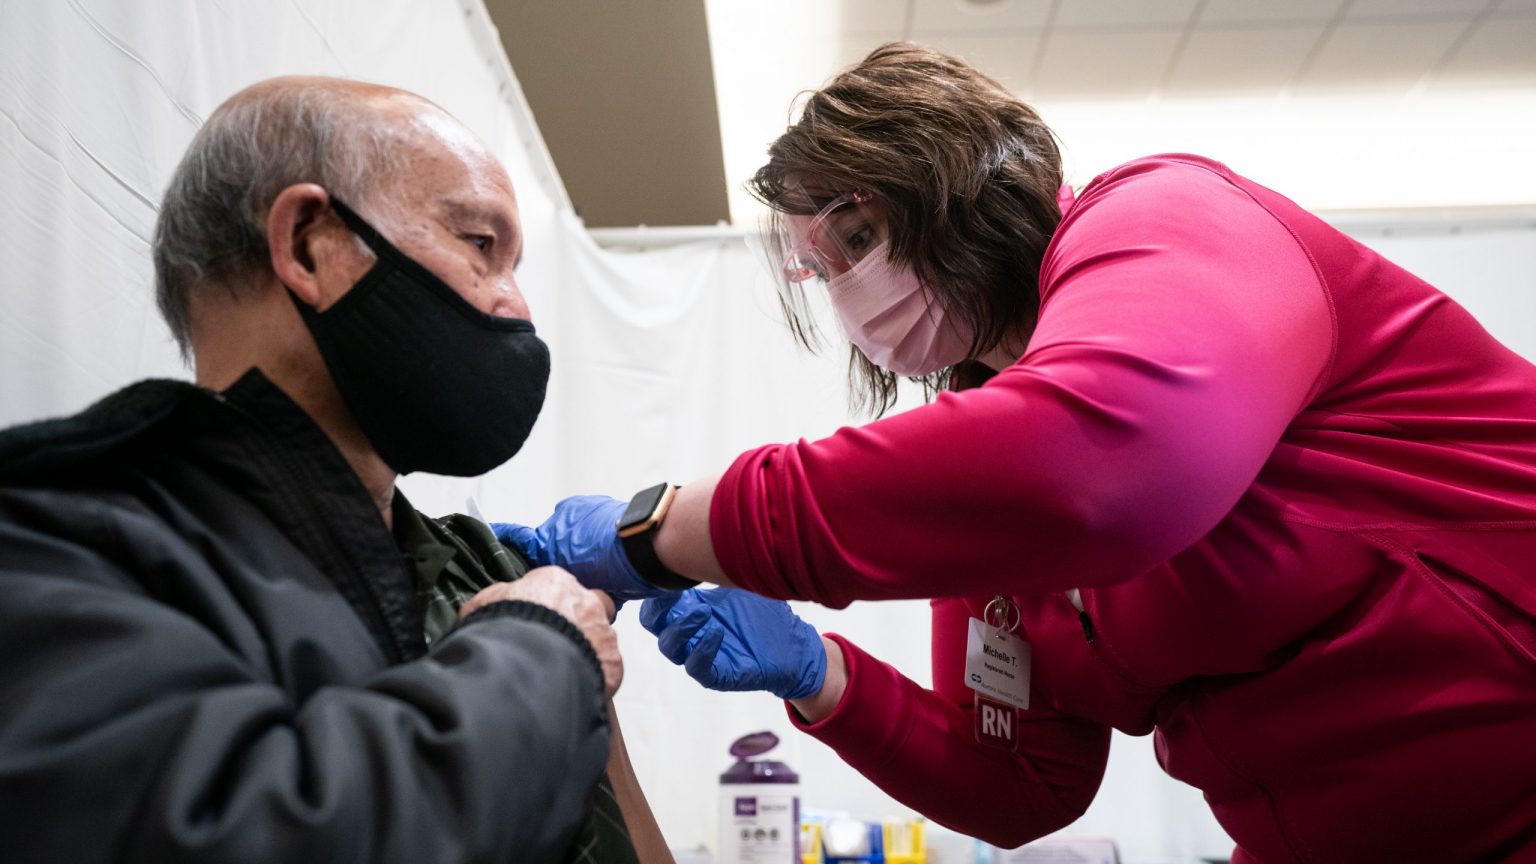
x: 582, y: 537
x: 734, y: 640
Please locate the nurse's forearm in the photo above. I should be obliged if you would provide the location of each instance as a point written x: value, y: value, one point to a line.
x: 683, y: 544
x: 816, y: 708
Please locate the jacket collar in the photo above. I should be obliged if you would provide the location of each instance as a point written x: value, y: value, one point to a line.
x: 314, y: 496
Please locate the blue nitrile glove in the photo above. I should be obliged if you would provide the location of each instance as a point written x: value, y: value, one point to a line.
x: 582, y: 536
x: 729, y: 639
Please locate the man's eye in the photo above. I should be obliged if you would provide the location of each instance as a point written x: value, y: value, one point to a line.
x: 481, y: 241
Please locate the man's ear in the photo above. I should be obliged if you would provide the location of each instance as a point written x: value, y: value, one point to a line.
x: 294, y: 225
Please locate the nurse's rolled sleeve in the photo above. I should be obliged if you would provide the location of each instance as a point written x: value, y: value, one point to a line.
x: 755, y: 538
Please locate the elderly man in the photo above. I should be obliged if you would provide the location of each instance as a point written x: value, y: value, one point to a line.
x: 224, y: 635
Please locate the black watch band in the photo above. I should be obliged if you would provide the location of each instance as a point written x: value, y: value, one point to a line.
x: 640, y: 549
x: 637, y: 532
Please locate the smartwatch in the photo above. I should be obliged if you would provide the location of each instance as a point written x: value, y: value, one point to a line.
x: 637, y: 533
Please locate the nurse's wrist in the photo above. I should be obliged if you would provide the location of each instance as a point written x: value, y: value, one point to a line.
x: 820, y: 705
x: 683, y: 543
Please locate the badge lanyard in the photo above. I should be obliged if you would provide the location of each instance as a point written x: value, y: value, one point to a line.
x: 997, y: 668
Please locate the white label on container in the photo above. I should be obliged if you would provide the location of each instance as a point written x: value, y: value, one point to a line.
x: 759, y: 823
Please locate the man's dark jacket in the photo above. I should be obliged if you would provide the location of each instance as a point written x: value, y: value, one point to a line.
x: 211, y: 650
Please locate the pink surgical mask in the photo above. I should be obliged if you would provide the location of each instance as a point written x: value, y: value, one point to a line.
x: 886, y: 313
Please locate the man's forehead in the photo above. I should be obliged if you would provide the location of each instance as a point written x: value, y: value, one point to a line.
x: 453, y: 167
x: 443, y: 130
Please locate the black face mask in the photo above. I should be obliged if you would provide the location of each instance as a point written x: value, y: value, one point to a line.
x: 435, y: 384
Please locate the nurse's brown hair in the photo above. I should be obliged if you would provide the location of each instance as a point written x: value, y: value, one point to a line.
x: 968, y: 175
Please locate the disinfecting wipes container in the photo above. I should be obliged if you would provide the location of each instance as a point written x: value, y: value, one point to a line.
x: 759, y: 806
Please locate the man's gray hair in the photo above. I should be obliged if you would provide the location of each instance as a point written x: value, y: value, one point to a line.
x: 210, y: 234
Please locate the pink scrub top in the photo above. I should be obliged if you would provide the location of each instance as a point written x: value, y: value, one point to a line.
x: 1296, y: 487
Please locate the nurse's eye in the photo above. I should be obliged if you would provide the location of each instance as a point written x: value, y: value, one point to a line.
x: 860, y: 240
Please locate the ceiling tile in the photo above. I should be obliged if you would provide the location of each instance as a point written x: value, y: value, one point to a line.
x: 1361, y: 10
x: 1265, y: 58
x: 1256, y: 11
x: 1379, y: 54
x: 780, y: 20
x: 825, y: 58
x: 862, y: 17
x: 1517, y: 6
x: 852, y: 49
x: 1008, y: 57
x: 1117, y: 14
x: 1499, y: 51
x: 1078, y: 65
x: 930, y: 17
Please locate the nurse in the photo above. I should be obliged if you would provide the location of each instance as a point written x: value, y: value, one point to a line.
x: 1204, y: 467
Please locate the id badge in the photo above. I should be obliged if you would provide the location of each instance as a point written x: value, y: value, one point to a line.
x: 997, y: 664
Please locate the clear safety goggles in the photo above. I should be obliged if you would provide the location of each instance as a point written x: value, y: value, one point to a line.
x: 824, y: 238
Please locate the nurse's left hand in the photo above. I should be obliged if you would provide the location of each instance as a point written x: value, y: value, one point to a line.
x: 734, y: 640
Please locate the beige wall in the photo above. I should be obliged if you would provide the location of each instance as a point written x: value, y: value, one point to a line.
x: 624, y: 95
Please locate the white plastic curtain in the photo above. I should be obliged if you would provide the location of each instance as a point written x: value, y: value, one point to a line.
x: 666, y: 364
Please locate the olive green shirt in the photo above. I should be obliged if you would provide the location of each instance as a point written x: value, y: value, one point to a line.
x: 453, y: 557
